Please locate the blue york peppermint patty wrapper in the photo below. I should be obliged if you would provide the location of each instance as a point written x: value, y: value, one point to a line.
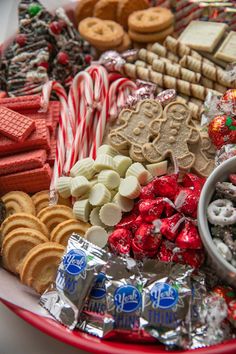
x: 167, y: 295
x: 115, y: 303
x: 76, y: 274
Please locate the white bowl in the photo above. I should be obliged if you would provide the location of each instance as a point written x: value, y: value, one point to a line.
x: 223, y: 268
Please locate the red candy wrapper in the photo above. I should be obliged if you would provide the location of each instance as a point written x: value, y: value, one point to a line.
x: 166, y: 96
x: 226, y: 292
x: 119, y: 241
x: 189, y: 237
x: 186, y: 202
x: 222, y: 130
x: 228, y: 102
x: 147, y: 192
x: 166, y: 186
x: 191, y: 180
x: 232, y: 313
x: 169, y: 227
x: 225, y: 153
x: 151, y: 210
x: 127, y: 222
x: 146, y: 241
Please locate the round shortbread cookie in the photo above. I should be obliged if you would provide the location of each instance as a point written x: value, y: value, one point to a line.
x: 151, y: 37
x: 54, y: 215
x: 18, y: 202
x: 151, y: 20
x: 40, y: 200
x: 101, y: 32
x: 63, y: 231
x: 84, y: 9
x: 106, y: 9
x: 127, y: 7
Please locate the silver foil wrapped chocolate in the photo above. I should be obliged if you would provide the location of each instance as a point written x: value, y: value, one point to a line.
x: 76, y: 275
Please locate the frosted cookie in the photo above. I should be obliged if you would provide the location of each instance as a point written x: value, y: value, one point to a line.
x: 130, y: 187
x: 17, y: 244
x: 109, y: 178
x: 18, y: 202
x: 97, y: 235
x: 23, y: 220
x: 110, y: 214
x: 99, y: 195
x: 40, y: 265
x: 81, y: 209
x: 63, y: 231
x: 79, y: 186
x: 54, y: 215
x: 63, y: 187
x: 84, y: 168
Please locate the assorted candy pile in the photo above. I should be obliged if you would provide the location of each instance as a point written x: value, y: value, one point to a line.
x: 102, y: 167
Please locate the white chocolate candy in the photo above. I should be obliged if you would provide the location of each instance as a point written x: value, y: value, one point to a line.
x: 110, y: 214
x: 63, y: 187
x: 122, y: 163
x: 99, y: 195
x: 81, y: 209
x: 124, y: 203
x: 109, y: 178
x: 104, y: 162
x: 137, y: 170
x: 130, y: 187
x: 79, y: 186
x: 84, y: 168
x: 223, y: 249
x: 94, y: 217
x: 107, y: 149
x: 97, y: 235
x: 93, y: 181
x: 158, y: 169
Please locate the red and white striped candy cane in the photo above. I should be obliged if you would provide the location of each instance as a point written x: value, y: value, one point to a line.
x: 62, y: 137
x: 82, y: 85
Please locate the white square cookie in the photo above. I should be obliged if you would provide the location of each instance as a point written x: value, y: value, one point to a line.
x: 202, y: 35
x: 227, y: 50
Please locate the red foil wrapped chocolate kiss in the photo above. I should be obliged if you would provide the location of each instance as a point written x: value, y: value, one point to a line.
x: 186, y: 202
x: 119, y: 241
x: 189, y: 237
x: 146, y: 242
x: 166, y: 186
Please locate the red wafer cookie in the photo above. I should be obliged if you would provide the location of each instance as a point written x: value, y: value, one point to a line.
x: 14, y: 125
x: 39, y: 139
x: 47, y: 116
x: 22, y: 162
x: 29, y: 181
x: 21, y: 103
x: 52, y: 154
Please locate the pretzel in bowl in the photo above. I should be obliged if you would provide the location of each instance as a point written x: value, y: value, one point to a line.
x: 221, y: 212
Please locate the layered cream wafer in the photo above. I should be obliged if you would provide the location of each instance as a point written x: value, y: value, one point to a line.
x: 84, y: 168
x: 81, y: 209
x: 23, y: 220
x: 97, y: 235
x: 99, y: 195
x: 63, y: 186
x: 130, y: 187
x: 54, y: 215
x: 104, y: 162
x: 17, y: 244
x: 109, y: 178
x: 122, y: 164
x: 137, y: 170
x: 158, y: 169
x: 63, y: 231
x: 94, y: 217
x: 124, y: 203
x: 18, y: 202
x: 40, y: 265
x: 79, y: 186
x: 110, y: 214
x: 40, y: 200
x: 107, y: 150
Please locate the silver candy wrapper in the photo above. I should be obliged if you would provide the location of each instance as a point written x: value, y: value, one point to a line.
x: 167, y: 294
x: 115, y: 303
x: 224, y: 153
x: 76, y: 274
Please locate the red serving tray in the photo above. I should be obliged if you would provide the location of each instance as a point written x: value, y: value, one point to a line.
x: 94, y: 345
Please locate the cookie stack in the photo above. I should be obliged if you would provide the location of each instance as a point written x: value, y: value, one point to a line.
x: 104, y: 34
x: 33, y: 236
x: 27, y: 143
x: 151, y: 25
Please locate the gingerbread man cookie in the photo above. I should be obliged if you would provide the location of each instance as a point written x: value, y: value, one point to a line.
x: 203, y: 165
x: 134, y: 132
x: 174, y: 133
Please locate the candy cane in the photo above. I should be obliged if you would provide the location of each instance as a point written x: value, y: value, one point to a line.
x: 62, y: 137
x: 82, y: 83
